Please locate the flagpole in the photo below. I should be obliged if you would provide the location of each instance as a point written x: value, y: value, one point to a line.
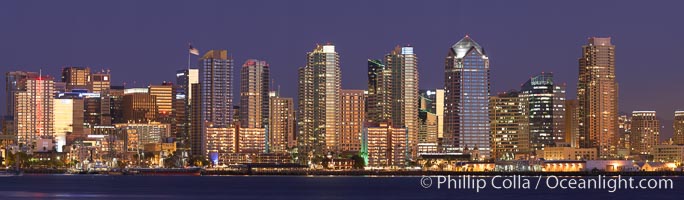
x: 188, y: 61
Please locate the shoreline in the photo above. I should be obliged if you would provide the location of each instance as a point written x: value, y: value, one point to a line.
x: 368, y: 173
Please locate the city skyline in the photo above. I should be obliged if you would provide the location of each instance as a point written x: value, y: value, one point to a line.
x: 510, y: 68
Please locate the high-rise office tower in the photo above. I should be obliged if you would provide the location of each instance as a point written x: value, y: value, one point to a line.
x: 116, y: 94
x: 510, y: 124
x: 216, y: 77
x: 164, y: 95
x: 184, y: 80
x: 466, y: 100
x: 433, y: 102
x: 376, y: 109
x: 139, y: 108
x: 624, y: 129
x: 100, y: 82
x: 383, y: 145
x: 184, y: 93
x: 319, y: 103
x: 76, y: 78
x: 97, y: 110
x: 254, y: 88
x: 352, y: 119
x: 403, y: 64
x: 13, y: 83
x: 68, y: 120
x: 33, y: 109
x: 196, y: 135
x: 281, y: 128
x: 597, y: 93
x: 678, y: 136
x: 546, y: 110
x: 645, y: 132
x: 572, y: 123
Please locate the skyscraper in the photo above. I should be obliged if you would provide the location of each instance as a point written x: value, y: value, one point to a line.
x: 33, y: 109
x: 403, y: 64
x: 139, y: 108
x: 678, y: 136
x: 510, y: 125
x: 281, y: 128
x: 597, y: 93
x: 76, y: 78
x: 254, y: 88
x: 100, y: 82
x: 546, y: 110
x: 374, y: 102
x: 352, y: 119
x: 645, y: 132
x: 216, y: 75
x: 466, y: 99
x: 319, y: 102
x: 572, y: 123
x: 13, y: 83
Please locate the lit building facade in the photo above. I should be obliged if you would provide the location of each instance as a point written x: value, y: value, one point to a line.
x: 645, y: 132
x: 100, y: 82
x: 466, y: 100
x: 572, y: 123
x: 281, y: 129
x: 139, y: 107
x: 140, y: 134
x: 319, y: 103
x: 76, y: 78
x: 352, y: 119
x: 68, y: 120
x: 546, y: 110
x: 375, y: 103
x: 216, y: 77
x: 509, y: 125
x: 668, y: 153
x: 597, y: 93
x: 33, y: 109
x: 384, y: 146
x: 13, y: 83
x: 568, y: 153
x: 402, y: 63
x: 678, y: 136
x: 254, y: 88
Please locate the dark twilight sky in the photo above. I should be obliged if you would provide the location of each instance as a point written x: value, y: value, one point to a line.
x: 145, y: 42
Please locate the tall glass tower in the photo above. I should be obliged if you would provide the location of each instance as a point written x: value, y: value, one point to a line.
x: 597, y: 93
x: 403, y: 65
x: 319, y: 103
x: 254, y: 88
x: 546, y: 108
x: 216, y: 78
x: 466, y: 99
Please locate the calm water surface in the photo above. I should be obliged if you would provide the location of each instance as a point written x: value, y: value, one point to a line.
x: 281, y: 187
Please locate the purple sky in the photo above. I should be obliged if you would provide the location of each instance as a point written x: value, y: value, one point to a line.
x: 146, y: 41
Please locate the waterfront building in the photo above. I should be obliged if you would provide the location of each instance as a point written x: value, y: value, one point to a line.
x: 572, y: 123
x: 352, y: 119
x: 567, y: 153
x: 384, y: 146
x: 597, y: 93
x: 319, y: 103
x: 678, y: 136
x: 254, y: 88
x: 509, y: 125
x: 216, y: 77
x: 668, y: 153
x: 140, y: 134
x: 546, y: 109
x: 645, y: 132
x: 466, y: 100
x: 33, y: 109
x: 68, y: 121
x: 281, y: 129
